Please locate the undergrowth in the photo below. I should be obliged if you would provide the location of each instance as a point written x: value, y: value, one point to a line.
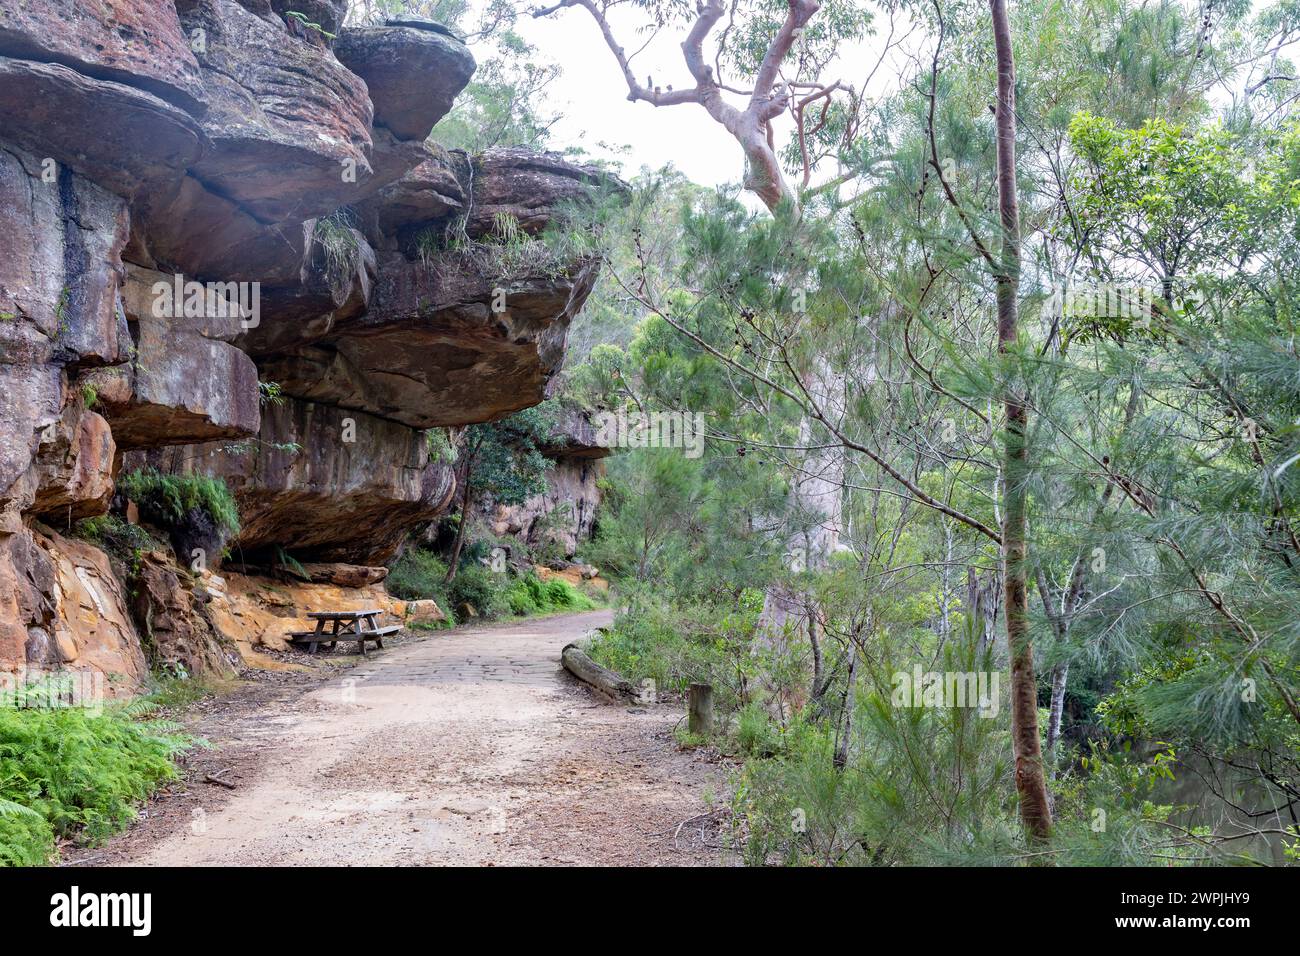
x: 419, y: 574
x: 116, y: 535
x: 75, y: 774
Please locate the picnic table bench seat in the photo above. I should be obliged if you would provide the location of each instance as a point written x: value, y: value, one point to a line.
x: 356, y: 626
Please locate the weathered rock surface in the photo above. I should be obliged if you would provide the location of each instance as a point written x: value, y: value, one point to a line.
x: 413, y: 73
x: 135, y: 42
x: 57, y: 315
x: 577, y: 575
x: 60, y: 598
x: 564, y: 515
x: 173, y: 622
x: 447, y: 336
x: 431, y: 351
x: 323, y: 483
x: 74, y: 463
x: 63, y: 239
x: 284, y: 118
x: 345, y: 575
x: 424, y: 613
x: 256, y: 613
x: 184, y: 382
x: 429, y: 193
x: 529, y: 186
x: 95, y: 127
x: 147, y: 141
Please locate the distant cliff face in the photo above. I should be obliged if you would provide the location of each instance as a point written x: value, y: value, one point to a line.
x: 171, y: 180
x: 561, y: 518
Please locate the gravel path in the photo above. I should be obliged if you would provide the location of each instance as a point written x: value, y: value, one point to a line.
x: 464, y: 747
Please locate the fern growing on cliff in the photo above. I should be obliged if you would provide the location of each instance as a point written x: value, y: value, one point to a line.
x: 168, y: 498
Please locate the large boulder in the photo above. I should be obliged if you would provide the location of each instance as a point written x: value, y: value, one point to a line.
x: 284, y: 118
x: 432, y: 350
x: 74, y: 467
x: 184, y: 382
x: 431, y: 192
x: 62, y: 600
x: 169, y: 606
x: 530, y: 187
x: 413, y: 68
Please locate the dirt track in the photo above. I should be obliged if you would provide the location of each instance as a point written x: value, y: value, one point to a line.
x: 463, y: 747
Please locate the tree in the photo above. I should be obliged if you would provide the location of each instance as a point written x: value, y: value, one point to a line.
x: 1035, y: 810
x: 758, y: 46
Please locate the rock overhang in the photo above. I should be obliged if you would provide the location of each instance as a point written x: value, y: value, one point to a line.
x: 206, y: 139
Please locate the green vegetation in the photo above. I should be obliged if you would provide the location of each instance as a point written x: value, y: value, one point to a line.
x: 70, y: 774
x: 302, y: 19
x: 116, y: 535
x: 418, y: 574
x: 441, y: 447
x: 336, y: 239
x: 884, y: 433
x: 421, y: 574
x: 502, y: 460
x: 529, y: 595
x: 166, y: 499
x: 676, y: 644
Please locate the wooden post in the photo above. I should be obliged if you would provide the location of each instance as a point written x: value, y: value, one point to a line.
x: 700, y: 720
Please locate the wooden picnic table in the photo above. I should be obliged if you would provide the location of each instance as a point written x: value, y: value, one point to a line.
x: 359, y: 626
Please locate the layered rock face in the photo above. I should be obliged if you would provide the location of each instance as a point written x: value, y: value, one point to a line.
x: 563, y: 516
x: 227, y: 249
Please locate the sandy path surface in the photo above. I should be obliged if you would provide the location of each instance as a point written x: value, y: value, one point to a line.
x: 463, y: 747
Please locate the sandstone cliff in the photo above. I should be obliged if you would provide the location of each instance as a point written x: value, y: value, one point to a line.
x: 556, y: 522
x: 351, y: 296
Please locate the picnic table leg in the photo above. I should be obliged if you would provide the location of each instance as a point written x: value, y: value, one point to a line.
x: 372, y: 627
x: 320, y: 626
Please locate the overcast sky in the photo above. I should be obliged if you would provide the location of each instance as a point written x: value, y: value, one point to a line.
x: 592, y: 95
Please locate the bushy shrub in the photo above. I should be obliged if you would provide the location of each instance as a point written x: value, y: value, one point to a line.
x: 71, y: 773
x: 525, y: 596
x: 420, y: 574
x: 417, y: 575
x: 562, y: 594
x: 756, y: 735
x: 530, y: 595
x: 115, y: 535
x: 678, y: 644
x: 479, y: 587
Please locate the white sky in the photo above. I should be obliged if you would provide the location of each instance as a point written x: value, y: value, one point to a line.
x: 592, y: 95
